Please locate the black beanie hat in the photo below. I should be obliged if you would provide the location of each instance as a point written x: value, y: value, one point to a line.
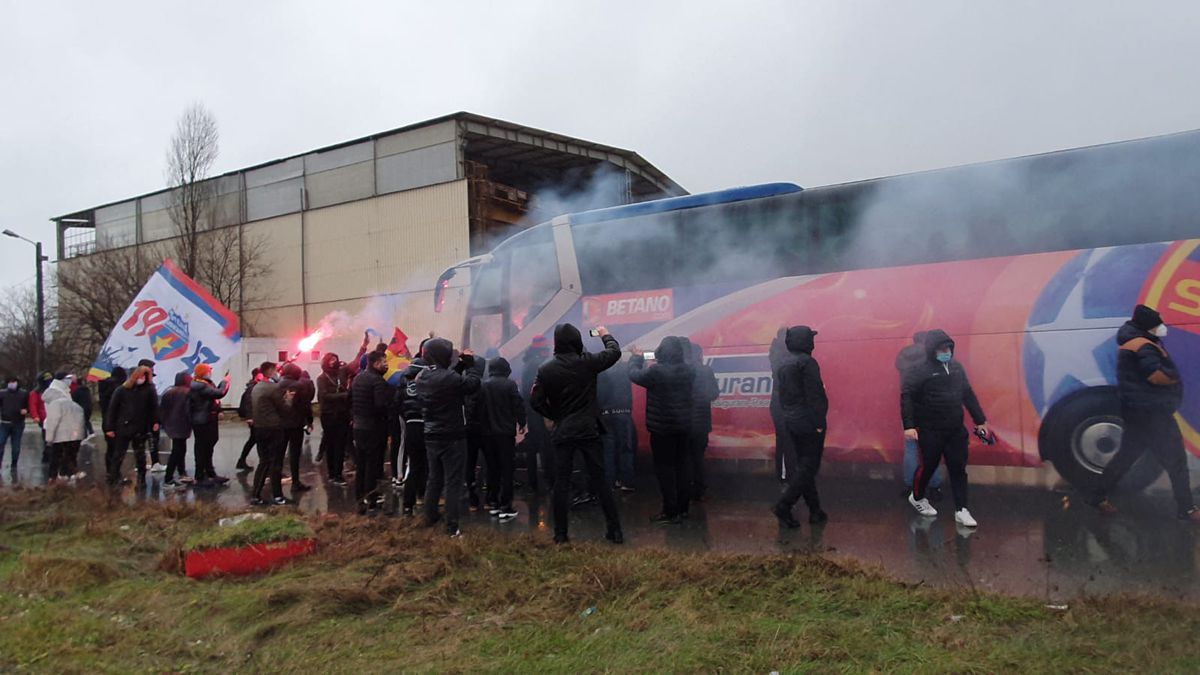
x: 1145, y: 318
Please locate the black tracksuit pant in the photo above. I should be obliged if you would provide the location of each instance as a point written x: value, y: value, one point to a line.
x: 672, y: 468
x: 447, y: 459
x: 697, y: 447
x: 1158, y: 433
x: 176, y: 460
x: 335, y: 434
x: 937, y: 445
x: 271, y: 447
x: 249, y: 445
x: 501, y: 464
x: 418, y: 466
x: 295, y: 445
x: 803, y: 461
x: 592, y: 452
x: 114, y: 457
x: 371, y: 444
x: 395, y: 438
x: 475, y: 448
x: 206, y: 436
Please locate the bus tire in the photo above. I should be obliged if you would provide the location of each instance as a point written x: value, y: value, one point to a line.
x: 1082, y: 433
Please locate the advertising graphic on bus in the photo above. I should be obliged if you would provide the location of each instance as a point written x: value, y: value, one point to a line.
x: 1031, y: 274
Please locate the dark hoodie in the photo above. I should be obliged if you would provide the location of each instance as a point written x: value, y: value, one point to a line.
x: 705, y: 389
x: 802, y: 400
x: 1147, y: 377
x: 204, y: 399
x: 933, y: 394
x: 442, y: 389
x: 174, y: 411
x: 109, y: 386
x: 299, y: 413
x: 333, y: 391
x: 502, y: 405
x: 668, y: 386
x: 565, y: 389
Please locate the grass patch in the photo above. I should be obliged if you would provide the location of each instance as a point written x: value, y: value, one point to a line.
x: 249, y: 532
x: 383, y: 595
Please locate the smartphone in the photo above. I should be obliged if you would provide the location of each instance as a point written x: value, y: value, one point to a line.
x: 649, y: 356
x: 595, y: 332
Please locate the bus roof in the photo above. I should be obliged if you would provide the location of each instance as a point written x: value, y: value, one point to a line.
x: 687, y: 202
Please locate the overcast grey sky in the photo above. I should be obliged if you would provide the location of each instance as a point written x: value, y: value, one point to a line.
x: 714, y: 94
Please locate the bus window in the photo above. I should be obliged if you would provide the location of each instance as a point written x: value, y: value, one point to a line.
x: 486, y: 291
x: 486, y: 332
x: 532, y: 277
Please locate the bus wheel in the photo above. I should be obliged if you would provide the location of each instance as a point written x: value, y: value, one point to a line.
x: 1082, y: 434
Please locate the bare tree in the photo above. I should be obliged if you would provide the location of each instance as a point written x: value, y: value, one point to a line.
x: 93, y: 293
x: 190, y: 158
x: 18, y: 337
x: 231, y: 267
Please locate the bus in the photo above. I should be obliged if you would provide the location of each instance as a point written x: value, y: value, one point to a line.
x: 1031, y: 264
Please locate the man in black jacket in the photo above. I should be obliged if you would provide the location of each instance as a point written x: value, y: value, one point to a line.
x: 803, y: 406
x: 333, y: 395
x: 503, y: 416
x: 298, y: 419
x: 369, y: 398
x: 413, y: 412
x: 269, y: 405
x: 705, y: 390
x: 668, y: 386
x: 564, y: 393
x: 443, y: 390
x: 932, y: 398
x: 1150, y: 389
x: 106, y: 389
x: 204, y: 400
x: 614, y: 392
x: 537, y: 440
x: 14, y: 406
x: 246, y: 412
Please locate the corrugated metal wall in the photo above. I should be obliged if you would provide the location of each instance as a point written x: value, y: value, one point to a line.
x: 394, y: 243
x: 282, y: 253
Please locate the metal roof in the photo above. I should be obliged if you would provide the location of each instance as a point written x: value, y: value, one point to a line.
x: 497, y: 140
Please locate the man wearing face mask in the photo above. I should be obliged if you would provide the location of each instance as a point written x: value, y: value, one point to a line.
x: 1150, y: 390
x: 932, y: 397
x: 14, y: 406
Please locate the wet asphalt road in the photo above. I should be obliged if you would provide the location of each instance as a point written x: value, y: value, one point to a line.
x: 1035, y: 538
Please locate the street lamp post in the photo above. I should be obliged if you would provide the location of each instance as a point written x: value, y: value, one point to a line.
x: 41, y: 301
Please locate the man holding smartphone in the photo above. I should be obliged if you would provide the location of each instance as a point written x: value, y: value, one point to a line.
x: 564, y: 393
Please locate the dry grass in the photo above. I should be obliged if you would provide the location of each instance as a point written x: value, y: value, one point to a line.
x: 93, y: 585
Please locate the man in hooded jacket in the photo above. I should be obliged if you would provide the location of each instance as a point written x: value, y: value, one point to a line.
x: 912, y: 357
x: 1150, y: 389
x: 932, y: 398
x: 416, y: 481
x: 298, y: 420
x: 803, y: 407
x: 564, y: 393
x: 175, y: 415
x: 668, y: 385
x: 537, y: 439
x: 443, y: 390
x: 705, y: 390
x: 204, y: 398
x: 369, y: 398
x: 333, y: 395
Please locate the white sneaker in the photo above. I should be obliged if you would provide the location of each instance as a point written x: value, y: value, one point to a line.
x: 922, y: 506
x: 80, y: 476
x: 507, y: 515
x: 963, y: 517
x: 157, y: 468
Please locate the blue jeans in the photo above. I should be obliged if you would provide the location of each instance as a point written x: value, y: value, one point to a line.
x: 619, y: 451
x: 911, y: 452
x: 13, y: 430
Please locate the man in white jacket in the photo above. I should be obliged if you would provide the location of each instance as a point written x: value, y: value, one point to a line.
x: 64, y: 431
